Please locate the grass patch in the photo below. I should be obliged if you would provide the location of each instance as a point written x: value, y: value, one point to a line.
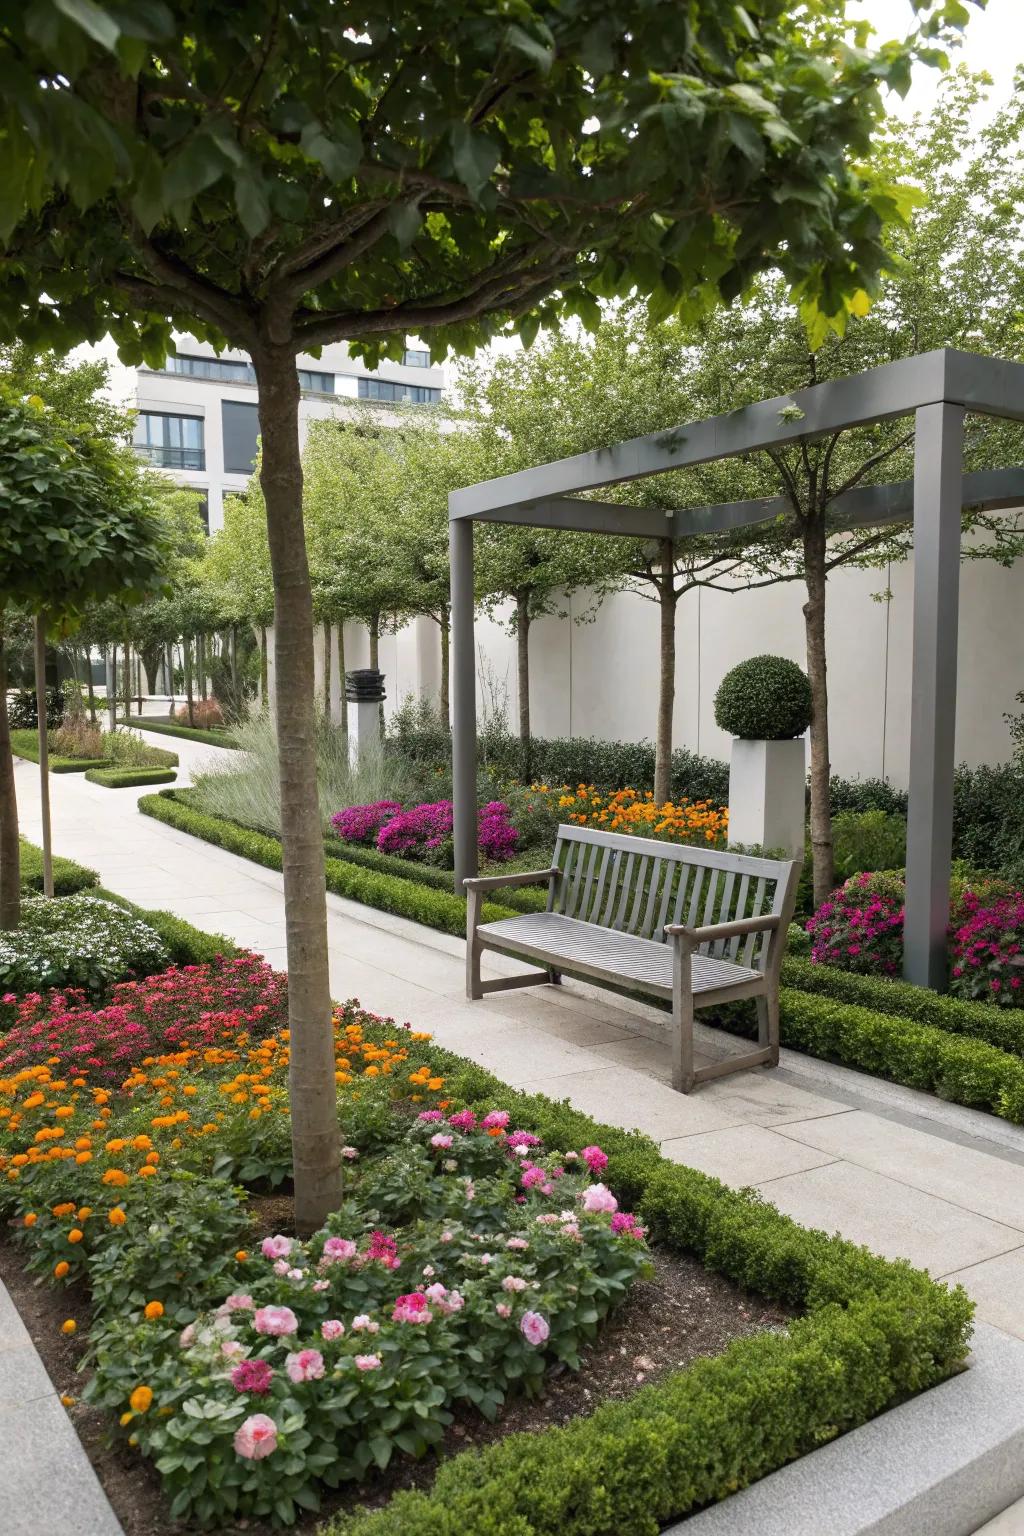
x: 124, y: 778
x: 26, y: 744
x: 217, y: 737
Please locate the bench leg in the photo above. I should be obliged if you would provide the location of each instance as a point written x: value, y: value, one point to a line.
x: 682, y: 1018
x: 555, y: 977
x: 768, y: 1025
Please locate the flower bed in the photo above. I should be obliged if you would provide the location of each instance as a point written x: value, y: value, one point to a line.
x: 76, y: 941
x: 423, y: 832
x: 634, y: 811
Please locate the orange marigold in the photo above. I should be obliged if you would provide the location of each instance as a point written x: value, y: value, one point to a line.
x: 141, y: 1399
x: 116, y: 1217
x: 61, y: 1269
x: 153, y: 1310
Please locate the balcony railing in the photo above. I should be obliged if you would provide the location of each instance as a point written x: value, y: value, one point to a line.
x: 165, y: 457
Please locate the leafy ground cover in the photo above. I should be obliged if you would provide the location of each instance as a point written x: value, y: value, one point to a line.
x: 79, y: 941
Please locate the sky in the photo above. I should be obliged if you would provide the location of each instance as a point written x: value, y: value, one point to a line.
x: 992, y: 41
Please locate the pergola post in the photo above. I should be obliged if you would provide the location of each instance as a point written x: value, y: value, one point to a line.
x: 463, y: 691
x: 938, y: 473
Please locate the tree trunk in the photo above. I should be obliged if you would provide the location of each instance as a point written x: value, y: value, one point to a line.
x: 89, y: 684
x: 668, y: 597
x: 341, y: 678
x: 316, y: 1140
x: 186, y: 651
x: 446, y: 668
x: 374, y: 628
x: 264, y: 684
x: 233, y: 654
x: 169, y: 665
x: 10, y: 847
x: 42, y: 730
x: 112, y: 688
x: 327, y: 671
x: 814, y: 626
x: 201, y: 665
x: 523, y: 674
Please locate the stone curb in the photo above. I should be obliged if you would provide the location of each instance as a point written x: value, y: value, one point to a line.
x: 942, y: 1464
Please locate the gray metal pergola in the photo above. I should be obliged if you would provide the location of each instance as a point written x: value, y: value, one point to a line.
x: 937, y: 389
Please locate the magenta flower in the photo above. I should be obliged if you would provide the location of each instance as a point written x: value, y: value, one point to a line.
x: 412, y: 1309
x: 464, y: 1120
x: 256, y: 1437
x: 254, y: 1376
x: 496, y: 1120
x: 595, y: 1159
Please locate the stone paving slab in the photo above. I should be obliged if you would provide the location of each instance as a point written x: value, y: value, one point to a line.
x: 746, y: 1154
x: 997, y: 1289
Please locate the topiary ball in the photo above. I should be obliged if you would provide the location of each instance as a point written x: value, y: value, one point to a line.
x: 767, y: 698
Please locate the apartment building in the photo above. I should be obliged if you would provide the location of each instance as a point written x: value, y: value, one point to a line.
x: 198, y: 419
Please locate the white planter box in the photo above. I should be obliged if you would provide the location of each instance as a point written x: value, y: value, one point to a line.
x: 767, y: 794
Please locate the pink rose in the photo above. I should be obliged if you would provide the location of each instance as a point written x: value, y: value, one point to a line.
x: 513, y: 1283
x: 534, y: 1328
x: 339, y: 1249
x: 187, y: 1336
x: 332, y: 1329
x: 599, y: 1198
x: 364, y: 1324
x: 238, y: 1302
x: 305, y: 1365
x: 276, y: 1247
x: 516, y: 1242
x: 367, y: 1362
x: 275, y: 1320
x: 256, y: 1437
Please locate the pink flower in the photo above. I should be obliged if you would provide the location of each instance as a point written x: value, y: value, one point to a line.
x: 277, y: 1321
x: 350, y: 1153
x: 187, y: 1336
x: 253, y: 1376
x: 256, y: 1437
x: 305, y: 1365
x: 625, y: 1222
x: 276, y: 1247
x: 496, y: 1120
x: 503, y: 1309
x: 599, y: 1198
x: 364, y: 1324
x: 238, y: 1302
x: 321, y: 1285
x: 444, y: 1300
x: 465, y: 1120
x: 534, y: 1328
x: 595, y: 1159
x: 430, y: 1114
x: 442, y: 1143
x: 339, y: 1249
x: 331, y: 1329
x: 367, y: 1362
x: 513, y: 1283
x: 412, y: 1309
x: 516, y: 1242
x: 232, y: 1349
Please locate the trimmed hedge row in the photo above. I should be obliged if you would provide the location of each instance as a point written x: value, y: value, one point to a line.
x: 68, y: 877
x: 874, y: 1332
x: 1000, y: 1027
x: 172, y: 728
x: 26, y: 744
x: 124, y: 778
x: 405, y: 898
x: 962, y: 1070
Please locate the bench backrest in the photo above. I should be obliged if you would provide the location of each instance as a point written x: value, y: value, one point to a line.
x: 637, y: 884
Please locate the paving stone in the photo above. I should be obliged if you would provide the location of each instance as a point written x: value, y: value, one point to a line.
x: 744, y: 1155
x: 621, y: 1096
x: 977, y: 1181
x: 1009, y: 1523
x: 23, y: 1376
x: 891, y: 1218
x: 997, y: 1286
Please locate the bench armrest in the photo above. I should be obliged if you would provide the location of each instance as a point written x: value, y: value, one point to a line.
x: 495, y: 882
x: 744, y: 925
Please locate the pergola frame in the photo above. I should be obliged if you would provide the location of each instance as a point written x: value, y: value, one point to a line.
x: 937, y: 389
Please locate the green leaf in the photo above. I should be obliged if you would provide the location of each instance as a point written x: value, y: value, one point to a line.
x: 539, y: 52
x: 196, y: 166
x: 93, y: 20
x: 475, y: 157
x: 251, y: 202
x: 404, y: 221
x: 339, y: 153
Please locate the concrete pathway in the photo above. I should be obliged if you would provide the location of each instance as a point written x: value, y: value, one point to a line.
x: 888, y: 1167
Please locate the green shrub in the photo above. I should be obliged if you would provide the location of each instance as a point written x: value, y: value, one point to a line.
x: 766, y: 698
x: 387, y: 893
x: 76, y: 941
x: 866, y: 795
x: 979, y: 1021
x: 68, y: 877
x: 126, y: 749
x: 868, y: 841
x: 123, y: 778
x: 26, y: 744
x: 213, y: 738
x: 988, y: 817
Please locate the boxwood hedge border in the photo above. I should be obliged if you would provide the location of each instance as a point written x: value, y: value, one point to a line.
x: 125, y: 778
x: 172, y: 728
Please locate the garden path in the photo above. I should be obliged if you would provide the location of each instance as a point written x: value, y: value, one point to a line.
x: 894, y: 1169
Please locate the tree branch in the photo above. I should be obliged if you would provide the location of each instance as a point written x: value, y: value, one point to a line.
x: 872, y: 463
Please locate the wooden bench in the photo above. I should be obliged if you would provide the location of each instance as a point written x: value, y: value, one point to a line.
x: 690, y: 925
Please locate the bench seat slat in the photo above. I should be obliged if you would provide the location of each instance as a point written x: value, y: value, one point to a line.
x: 565, y: 941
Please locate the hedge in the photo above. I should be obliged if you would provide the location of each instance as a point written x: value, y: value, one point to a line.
x: 405, y: 898
x: 218, y: 738
x: 68, y: 877
x: 123, y: 778
x: 874, y: 1332
x: 1000, y: 1027
x: 26, y: 744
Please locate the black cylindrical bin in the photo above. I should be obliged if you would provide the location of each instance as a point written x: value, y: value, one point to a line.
x: 364, y: 686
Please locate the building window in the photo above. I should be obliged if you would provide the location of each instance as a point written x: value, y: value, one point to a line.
x: 170, y: 442
x: 406, y: 394
x: 219, y: 368
x: 416, y: 358
x: 316, y: 383
x: 241, y: 435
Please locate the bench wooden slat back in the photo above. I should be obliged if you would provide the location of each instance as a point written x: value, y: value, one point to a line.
x: 637, y: 885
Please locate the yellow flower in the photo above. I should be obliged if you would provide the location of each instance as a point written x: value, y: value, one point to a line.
x: 68, y: 1326
x: 141, y: 1399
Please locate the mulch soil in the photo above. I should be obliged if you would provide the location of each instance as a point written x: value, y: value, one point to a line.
x: 683, y: 1313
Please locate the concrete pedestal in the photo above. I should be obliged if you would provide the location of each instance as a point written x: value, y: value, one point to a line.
x: 767, y: 804
x: 364, y: 730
